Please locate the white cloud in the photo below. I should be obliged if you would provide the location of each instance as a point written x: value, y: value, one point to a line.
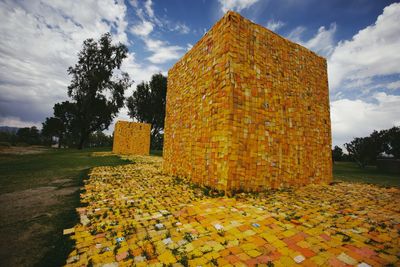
x: 149, y: 8
x: 122, y: 116
x: 40, y: 40
x: 356, y: 84
x: 181, y: 28
x: 17, y: 122
x: 296, y: 34
x: 143, y: 29
x: 355, y: 65
x: 165, y: 24
x: 321, y: 43
x: 236, y: 5
x: 138, y: 72
x: 394, y: 85
x: 150, y: 21
x: 134, y: 3
x: 373, y: 51
x: 162, y: 52
x: 274, y: 25
x: 357, y: 118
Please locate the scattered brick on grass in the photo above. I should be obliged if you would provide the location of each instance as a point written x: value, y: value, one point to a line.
x: 135, y: 214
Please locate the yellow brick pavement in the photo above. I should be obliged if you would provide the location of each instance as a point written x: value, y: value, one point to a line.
x: 136, y: 215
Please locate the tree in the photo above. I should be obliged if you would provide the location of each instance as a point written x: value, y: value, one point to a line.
x: 67, y: 113
x: 366, y: 150
x: 93, y: 79
x: 392, y: 141
x: 63, y: 125
x: 53, y: 127
x: 28, y: 135
x: 8, y: 138
x: 377, y: 143
x: 147, y: 104
x: 359, y: 150
x: 99, y: 139
x: 337, y: 154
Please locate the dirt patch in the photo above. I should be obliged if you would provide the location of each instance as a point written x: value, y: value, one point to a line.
x: 21, y: 150
x: 62, y: 182
x: 24, y: 221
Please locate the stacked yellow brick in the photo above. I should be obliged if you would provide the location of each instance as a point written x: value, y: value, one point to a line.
x: 131, y: 138
x: 248, y: 110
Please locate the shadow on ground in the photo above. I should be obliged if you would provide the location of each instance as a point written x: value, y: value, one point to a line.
x: 38, y: 196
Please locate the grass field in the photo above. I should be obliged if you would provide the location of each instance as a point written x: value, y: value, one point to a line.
x: 350, y: 172
x: 38, y: 197
x: 39, y: 194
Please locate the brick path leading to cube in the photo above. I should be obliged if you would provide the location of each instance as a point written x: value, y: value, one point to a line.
x: 136, y: 215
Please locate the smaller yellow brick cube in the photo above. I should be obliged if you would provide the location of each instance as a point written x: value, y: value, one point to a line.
x: 131, y: 138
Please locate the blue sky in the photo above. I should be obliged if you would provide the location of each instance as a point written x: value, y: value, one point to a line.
x: 359, y: 38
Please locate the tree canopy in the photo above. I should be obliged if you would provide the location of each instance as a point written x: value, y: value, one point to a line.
x: 96, y: 90
x: 337, y: 154
x: 53, y: 127
x: 365, y: 150
x: 64, y: 124
x: 147, y: 104
x: 93, y: 77
x: 392, y: 139
x: 28, y: 135
x: 360, y: 149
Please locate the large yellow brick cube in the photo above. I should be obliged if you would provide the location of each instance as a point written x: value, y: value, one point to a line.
x: 248, y: 110
x: 131, y: 138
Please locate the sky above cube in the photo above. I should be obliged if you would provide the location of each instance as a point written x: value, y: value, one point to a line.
x: 360, y: 40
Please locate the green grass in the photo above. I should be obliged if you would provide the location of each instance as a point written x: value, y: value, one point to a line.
x: 18, y: 172
x: 48, y: 247
x: 25, y: 172
x: 350, y: 172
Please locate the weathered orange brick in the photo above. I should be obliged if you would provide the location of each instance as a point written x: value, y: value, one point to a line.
x: 131, y: 138
x: 248, y: 110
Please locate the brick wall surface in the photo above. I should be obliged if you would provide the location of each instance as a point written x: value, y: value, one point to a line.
x: 131, y: 138
x: 248, y: 110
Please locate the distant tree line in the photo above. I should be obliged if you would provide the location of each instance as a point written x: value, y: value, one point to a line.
x: 32, y: 136
x: 366, y: 150
x: 97, y: 94
x: 23, y: 136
